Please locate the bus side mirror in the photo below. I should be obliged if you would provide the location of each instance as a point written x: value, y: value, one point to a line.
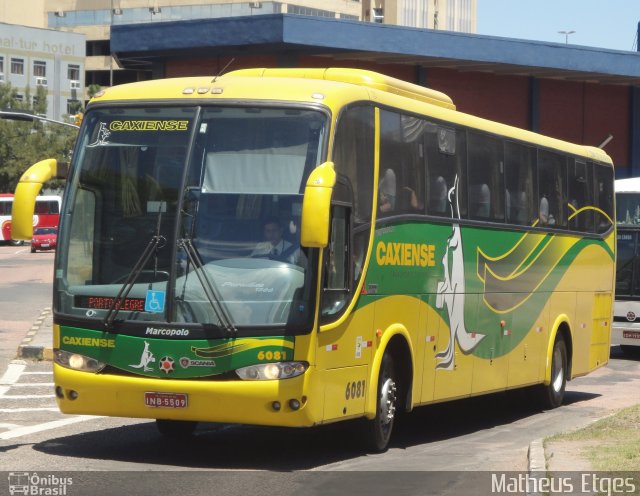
x: 316, y: 206
x: 24, y: 201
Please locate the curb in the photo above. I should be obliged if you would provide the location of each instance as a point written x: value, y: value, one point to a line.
x: 536, y: 458
x: 35, y: 352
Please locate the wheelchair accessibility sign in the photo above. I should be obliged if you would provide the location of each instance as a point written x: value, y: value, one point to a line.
x: 154, y: 302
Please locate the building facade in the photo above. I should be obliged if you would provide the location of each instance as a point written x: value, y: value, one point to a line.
x: 32, y: 57
x: 447, y: 15
x: 94, y: 18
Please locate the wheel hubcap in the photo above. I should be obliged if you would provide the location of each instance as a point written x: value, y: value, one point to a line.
x: 388, y: 401
x: 559, y: 372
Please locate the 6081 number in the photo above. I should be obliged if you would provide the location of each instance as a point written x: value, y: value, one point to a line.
x: 354, y: 390
x: 272, y: 355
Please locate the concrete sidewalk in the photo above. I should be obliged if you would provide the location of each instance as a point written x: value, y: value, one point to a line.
x: 38, y: 345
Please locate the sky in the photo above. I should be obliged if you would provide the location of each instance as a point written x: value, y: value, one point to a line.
x: 611, y: 24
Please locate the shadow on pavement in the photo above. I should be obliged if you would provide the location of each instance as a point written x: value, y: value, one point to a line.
x: 218, y: 446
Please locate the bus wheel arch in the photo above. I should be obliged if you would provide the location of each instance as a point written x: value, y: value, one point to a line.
x: 389, y: 391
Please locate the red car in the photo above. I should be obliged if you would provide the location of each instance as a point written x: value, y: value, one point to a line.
x: 44, y: 238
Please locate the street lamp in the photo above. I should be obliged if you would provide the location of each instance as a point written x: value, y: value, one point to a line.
x: 24, y: 116
x: 566, y: 35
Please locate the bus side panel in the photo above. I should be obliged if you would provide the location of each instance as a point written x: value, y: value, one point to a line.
x: 601, y: 332
x: 527, y: 360
x: 491, y: 373
x: 343, y: 359
x: 433, y: 325
x: 344, y: 392
x: 455, y: 381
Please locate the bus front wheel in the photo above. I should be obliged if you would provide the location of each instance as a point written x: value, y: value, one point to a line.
x: 553, y: 394
x: 378, y: 430
x: 176, y: 428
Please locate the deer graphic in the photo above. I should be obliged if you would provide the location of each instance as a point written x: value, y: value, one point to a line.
x: 451, y: 291
x: 145, y: 359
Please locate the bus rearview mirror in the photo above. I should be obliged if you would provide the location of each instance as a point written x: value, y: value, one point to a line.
x: 316, y: 206
x: 26, y: 192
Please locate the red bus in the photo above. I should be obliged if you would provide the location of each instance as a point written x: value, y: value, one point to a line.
x: 46, y: 214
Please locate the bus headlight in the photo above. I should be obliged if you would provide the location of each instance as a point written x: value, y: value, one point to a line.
x: 271, y: 371
x: 76, y: 361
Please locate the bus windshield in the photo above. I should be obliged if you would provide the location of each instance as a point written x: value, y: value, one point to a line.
x: 191, y: 215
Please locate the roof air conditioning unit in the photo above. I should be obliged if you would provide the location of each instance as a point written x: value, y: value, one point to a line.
x: 75, y: 85
x: 60, y: 13
x: 155, y: 10
x: 377, y: 14
x: 41, y: 81
x: 117, y: 11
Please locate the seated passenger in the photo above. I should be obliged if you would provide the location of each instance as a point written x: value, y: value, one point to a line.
x: 544, y: 211
x: 387, y: 192
x: 438, y: 196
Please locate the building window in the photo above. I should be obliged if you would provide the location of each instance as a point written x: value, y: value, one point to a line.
x: 1, y: 65
x: 39, y: 68
x: 73, y: 106
x: 73, y: 72
x: 19, y: 97
x: 17, y: 66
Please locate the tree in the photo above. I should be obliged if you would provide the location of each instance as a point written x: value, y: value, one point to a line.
x: 24, y: 143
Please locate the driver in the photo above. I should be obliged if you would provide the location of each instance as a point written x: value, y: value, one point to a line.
x: 275, y: 247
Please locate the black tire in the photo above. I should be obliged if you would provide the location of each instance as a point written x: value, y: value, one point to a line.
x: 176, y: 428
x: 553, y: 394
x: 378, y: 431
x: 16, y: 243
x: 33, y: 249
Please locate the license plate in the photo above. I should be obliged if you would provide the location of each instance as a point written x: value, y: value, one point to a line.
x: 631, y: 334
x: 166, y: 400
x: 45, y: 245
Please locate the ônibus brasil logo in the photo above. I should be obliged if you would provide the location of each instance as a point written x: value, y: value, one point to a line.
x: 40, y: 485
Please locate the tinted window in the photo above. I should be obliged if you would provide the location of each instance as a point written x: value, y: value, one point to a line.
x: 401, y: 177
x: 580, y: 182
x: 353, y: 159
x: 604, y: 197
x: 520, y: 174
x: 552, y: 173
x: 486, y: 181
x: 446, y: 154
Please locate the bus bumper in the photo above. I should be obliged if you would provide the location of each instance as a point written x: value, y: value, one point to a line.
x: 625, y: 333
x: 243, y: 402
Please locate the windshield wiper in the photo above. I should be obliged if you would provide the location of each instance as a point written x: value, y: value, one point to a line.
x: 208, y: 285
x: 157, y: 241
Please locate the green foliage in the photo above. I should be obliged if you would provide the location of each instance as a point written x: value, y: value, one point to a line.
x: 93, y: 89
x: 22, y: 144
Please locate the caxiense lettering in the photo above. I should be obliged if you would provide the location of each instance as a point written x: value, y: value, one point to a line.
x: 407, y: 254
x: 96, y: 342
x: 168, y: 125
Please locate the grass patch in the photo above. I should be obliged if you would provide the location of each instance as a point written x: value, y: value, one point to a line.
x: 612, y: 443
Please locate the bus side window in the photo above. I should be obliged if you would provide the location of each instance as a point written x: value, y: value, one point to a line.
x: 552, y: 173
x: 520, y: 171
x: 486, y: 177
x: 604, y: 197
x: 337, y: 267
x: 580, y: 196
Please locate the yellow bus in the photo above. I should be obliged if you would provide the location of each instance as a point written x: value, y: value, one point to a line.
x: 294, y: 247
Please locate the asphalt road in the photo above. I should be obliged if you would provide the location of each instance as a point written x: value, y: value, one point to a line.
x: 25, y: 290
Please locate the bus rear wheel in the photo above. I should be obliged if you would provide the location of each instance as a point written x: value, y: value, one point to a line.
x: 553, y: 394
x: 378, y: 431
x: 176, y: 428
